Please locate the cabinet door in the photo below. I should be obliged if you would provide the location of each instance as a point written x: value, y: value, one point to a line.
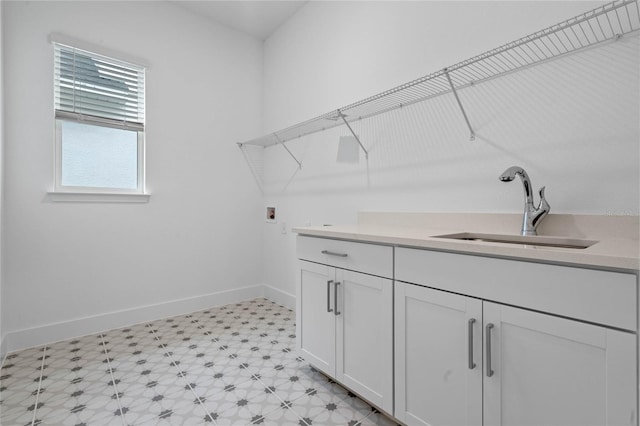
x: 555, y: 371
x: 365, y: 336
x: 438, y: 357
x: 315, y: 320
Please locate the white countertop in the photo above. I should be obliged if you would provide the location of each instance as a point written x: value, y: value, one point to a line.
x: 619, y: 248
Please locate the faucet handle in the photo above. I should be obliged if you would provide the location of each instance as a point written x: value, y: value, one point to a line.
x: 544, y: 205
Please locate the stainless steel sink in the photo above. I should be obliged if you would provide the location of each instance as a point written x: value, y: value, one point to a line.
x: 538, y: 241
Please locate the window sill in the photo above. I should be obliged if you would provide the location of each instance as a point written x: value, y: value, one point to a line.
x: 96, y: 197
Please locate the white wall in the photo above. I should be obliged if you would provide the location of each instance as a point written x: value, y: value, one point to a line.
x: 199, y: 234
x: 571, y: 123
x: 2, y: 333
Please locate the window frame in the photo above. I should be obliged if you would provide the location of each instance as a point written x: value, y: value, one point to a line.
x: 62, y: 192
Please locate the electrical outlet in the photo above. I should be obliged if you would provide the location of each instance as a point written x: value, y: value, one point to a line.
x: 283, y: 227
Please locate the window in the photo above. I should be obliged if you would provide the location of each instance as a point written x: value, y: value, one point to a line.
x: 99, y: 114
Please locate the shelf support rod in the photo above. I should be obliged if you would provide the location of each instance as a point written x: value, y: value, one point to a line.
x: 341, y: 115
x: 287, y: 149
x: 472, y: 136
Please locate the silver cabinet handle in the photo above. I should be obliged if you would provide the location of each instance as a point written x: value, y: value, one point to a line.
x: 335, y: 299
x: 488, y: 337
x: 332, y: 253
x: 329, y: 296
x: 472, y: 364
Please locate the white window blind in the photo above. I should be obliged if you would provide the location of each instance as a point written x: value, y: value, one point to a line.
x: 96, y: 89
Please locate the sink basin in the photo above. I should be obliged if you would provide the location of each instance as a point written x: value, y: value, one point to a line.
x: 533, y: 240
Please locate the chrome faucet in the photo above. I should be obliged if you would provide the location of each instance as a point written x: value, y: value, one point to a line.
x: 532, y: 215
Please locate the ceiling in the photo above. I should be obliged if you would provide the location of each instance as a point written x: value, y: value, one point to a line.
x: 257, y: 18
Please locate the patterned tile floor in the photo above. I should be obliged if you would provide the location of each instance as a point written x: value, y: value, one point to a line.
x: 230, y: 365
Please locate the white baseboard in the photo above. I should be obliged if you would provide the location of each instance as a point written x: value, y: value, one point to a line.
x: 280, y: 297
x: 3, y: 348
x: 37, y: 336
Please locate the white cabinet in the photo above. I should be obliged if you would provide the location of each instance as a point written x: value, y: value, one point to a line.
x: 470, y: 340
x: 315, y: 322
x: 434, y: 384
x: 554, y: 371
x: 464, y: 360
x: 345, y: 318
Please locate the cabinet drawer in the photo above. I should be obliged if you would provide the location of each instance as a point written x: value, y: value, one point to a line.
x: 602, y: 297
x: 368, y: 258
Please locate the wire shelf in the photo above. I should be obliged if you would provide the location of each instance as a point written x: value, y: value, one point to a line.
x: 605, y: 23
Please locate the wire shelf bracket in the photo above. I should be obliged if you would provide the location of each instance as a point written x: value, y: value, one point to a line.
x: 275, y: 135
x: 344, y: 119
x: 606, y: 23
x: 472, y: 135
